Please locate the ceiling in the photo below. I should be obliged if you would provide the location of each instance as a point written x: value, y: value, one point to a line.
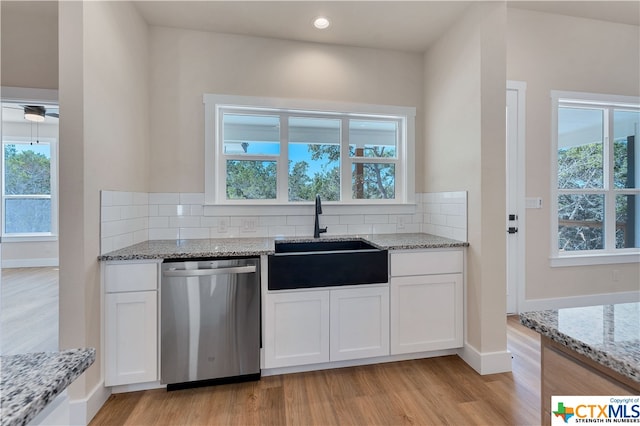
x: 399, y: 25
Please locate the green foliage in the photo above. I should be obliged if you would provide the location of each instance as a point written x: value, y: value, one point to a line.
x: 26, y: 172
x: 251, y: 180
x: 581, y: 216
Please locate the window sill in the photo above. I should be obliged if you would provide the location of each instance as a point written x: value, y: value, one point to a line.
x: 594, y: 259
x: 306, y: 209
x: 26, y: 238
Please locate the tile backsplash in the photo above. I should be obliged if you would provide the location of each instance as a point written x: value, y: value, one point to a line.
x: 131, y: 217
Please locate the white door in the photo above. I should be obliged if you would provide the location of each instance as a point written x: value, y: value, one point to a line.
x: 131, y: 337
x: 514, y: 216
x: 359, y: 323
x: 296, y: 328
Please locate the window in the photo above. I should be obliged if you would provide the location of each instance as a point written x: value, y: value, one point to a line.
x: 259, y: 152
x: 28, y: 188
x: 597, y: 184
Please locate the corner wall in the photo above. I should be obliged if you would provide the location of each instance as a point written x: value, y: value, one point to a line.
x: 103, y: 80
x: 465, y: 83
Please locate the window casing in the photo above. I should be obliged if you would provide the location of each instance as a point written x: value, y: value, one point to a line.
x: 268, y: 151
x: 595, y: 203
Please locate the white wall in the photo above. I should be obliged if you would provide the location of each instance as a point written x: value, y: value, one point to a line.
x: 29, y: 44
x: 465, y: 139
x: 104, y: 144
x: 186, y: 64
x: 554, y: 52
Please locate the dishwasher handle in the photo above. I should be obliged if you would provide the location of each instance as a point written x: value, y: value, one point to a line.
x: 209, y: 271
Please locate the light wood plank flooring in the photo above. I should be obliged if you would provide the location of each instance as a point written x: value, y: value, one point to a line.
x: 28, y: 310
x: 434, y: 391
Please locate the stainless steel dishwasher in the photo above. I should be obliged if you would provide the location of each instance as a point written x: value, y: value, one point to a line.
x: 209, y: 322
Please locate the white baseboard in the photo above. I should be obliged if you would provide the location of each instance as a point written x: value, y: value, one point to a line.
x: 30, y: 263
x: 486, y: 362
x: 81, y: 411
x: 576, y: 301
x: 137, y: 387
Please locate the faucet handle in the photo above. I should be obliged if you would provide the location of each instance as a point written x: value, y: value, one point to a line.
x: 322, y: 230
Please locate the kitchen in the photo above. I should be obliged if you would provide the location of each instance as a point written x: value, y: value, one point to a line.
x: 163, y: 72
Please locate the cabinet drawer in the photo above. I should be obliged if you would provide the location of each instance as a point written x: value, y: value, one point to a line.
x: 426, y: 263
x: 131, y: 277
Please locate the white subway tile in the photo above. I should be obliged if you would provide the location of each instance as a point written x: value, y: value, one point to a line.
x: 153, y: 210
x: 383, y: 228
x: 164, y: 198
x: 412, y: 227
x: 168, y: 210
x: 194, y: 233
x: 122, y: 241
x: 335, y: 230
x: 459, y: 222
x: 196, y: 210
x: 121, y: 198
x: 191, y: 198
x: 158, y: 222
x: 376, y: 218
x: 438, y: 219
x: 184, y: 222
x: 282, y: 231
x: 140, y: 198
x: 300, y: 220
x: 106, y: 198
x: 355, y: 219
x: 359, y: 229
x: 164, y: 234
x: 141, y: 236
x: 109, y: 213
x: 106, y: 245
x: 459, y: 234
x: 272, y: 221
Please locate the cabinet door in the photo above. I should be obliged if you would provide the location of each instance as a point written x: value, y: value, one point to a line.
x: 131, y: 338
x: 297, y: 328
x: 359, y: 323
x: 426, y: 313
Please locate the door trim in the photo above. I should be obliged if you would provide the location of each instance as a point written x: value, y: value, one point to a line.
x: 519, y: 262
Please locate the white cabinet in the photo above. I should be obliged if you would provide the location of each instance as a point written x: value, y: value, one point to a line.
x: 296, y: 328
x: 359, y: 323
x: 131, y: 323
x: 426, y: 301
x: 316, y: 326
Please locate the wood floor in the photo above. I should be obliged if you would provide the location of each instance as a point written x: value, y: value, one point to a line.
x: 434, y: 391
x: 28, y: 310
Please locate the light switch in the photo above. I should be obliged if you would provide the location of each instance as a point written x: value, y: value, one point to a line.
x: 533, y: 203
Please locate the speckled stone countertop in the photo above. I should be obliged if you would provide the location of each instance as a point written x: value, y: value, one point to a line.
x: 607, y: 334
x: 28, y: 382
x: 223, y: 247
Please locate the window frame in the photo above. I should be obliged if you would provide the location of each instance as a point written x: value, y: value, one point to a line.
x: 215, y: 159
x: 53, y: 162
x: 609, y: 254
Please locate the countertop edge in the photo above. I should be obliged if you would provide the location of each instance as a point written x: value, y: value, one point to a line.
x: 597, y: 355
x: 382, y: 241
x: 15, y: 411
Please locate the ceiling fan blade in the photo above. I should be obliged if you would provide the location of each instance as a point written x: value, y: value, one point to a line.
x: 52, y: 114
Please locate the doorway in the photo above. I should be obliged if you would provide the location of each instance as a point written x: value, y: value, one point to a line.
x: 515, y: 190
x: 29, y: 221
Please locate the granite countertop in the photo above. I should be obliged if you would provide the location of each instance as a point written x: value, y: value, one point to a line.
x: 607, y: 334
x: 223, y: 247
x: 28, y: 382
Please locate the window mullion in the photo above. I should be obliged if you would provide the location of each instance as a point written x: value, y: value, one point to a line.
x: 345, y: 162
x: 282, y: 181
x: 609, y: 197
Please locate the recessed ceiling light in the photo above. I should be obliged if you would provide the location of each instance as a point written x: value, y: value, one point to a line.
x: 321, y: 23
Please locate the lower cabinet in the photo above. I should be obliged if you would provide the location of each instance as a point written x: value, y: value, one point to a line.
x: 426, y: 313
x: 130, y: 323
x: 359, y: 323
x: 427, y: 301
x: 316, y: 326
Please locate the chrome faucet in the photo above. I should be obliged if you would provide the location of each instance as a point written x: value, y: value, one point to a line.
x: 316, y: 227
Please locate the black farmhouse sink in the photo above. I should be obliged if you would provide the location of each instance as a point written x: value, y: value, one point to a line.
x: 318, y: 263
